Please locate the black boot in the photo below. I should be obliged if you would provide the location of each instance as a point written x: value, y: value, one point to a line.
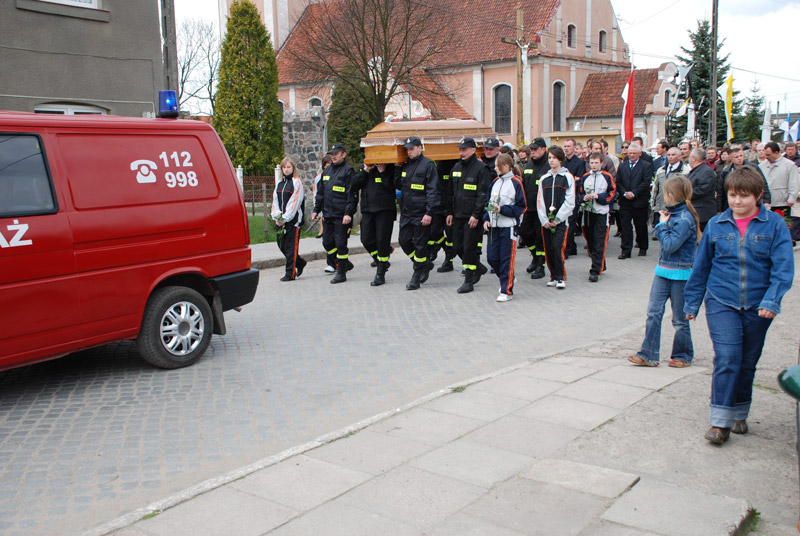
x: 415, y: 280
x: 426, y: 271
x: 347, y: 264
x: 447, y: 265
x: 482, y: 269
x: 538, y: 272
x: 341, y: 272
x: 467, y: 286
x: 532, y: 266
x: 379, y: 275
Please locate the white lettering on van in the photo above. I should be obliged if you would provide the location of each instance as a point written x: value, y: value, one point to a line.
x: 16, y: 240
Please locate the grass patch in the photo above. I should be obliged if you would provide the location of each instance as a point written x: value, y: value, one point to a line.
x: 459, y: 389
x: 257, y: 235
x: 151, y: 515
x: 767, y: 387
x: 751, y: 525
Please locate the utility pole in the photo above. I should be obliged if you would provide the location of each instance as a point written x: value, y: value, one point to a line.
x: 712, y: 91
x: 520, y: 47
x: 170, y: 45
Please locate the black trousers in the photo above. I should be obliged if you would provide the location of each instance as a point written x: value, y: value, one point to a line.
x: 288, y: 244
x: 530, y: 230
x: 466, y: 240
x: 595, y: 231
x: 414, y: 239
x: 631, y: 218
x: 376, y: 233
x: 441, y: 235
x: 554, y: 245
x: 334, y: 239
x: 573, y: 228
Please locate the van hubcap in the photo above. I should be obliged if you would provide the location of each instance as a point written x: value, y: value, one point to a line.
x: 182, y: 328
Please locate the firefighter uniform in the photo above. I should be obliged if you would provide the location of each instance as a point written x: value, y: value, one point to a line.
x: 530, y: 230
x: 418, y: 183
x: 441, y: 233
x: 378, y: 212
x: 470, y: 181
x: 335, y: 199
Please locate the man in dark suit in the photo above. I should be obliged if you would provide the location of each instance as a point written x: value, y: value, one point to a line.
x: 703, y: 181
x: 633, y: 182
x: 645, y: 156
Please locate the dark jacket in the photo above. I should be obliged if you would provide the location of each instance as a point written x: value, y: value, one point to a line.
x: 531, y: 175
x: 636, y: 180
x: 722, y: 197
x: 418, y: 182
x: 470, y: 181
x: 377, y: 189
x: 577, y: 166
x: 490, y: 164
x: 335, y: 197
x: 703, y: 182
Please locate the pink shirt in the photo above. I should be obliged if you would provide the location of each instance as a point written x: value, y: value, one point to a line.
x: 742, y: 224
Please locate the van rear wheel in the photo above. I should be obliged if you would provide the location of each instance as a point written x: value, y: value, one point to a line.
x: 176, y: 328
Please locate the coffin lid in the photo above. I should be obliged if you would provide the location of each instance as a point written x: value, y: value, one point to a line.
x: 430, y: 132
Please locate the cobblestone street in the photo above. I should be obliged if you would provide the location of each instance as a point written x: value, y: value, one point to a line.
x: 91, y: 436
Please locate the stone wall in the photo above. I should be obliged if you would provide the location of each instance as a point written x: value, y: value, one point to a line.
x: 304, y: 141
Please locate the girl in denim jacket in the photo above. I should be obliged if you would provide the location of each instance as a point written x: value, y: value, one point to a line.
x: 677, y: 231
x: 744, y: 266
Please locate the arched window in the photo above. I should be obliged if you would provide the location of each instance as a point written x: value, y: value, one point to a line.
x: 572, y: 34
x: 314, y: 101
x: 282, y: 106
x: 667, y: 98
x: 558, y: 106
x: 502, y: 109
x: 602, y: 41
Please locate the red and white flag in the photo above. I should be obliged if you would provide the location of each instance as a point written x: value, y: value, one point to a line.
x: 627, y: 110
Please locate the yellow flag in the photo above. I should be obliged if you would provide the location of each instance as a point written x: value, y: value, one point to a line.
x: 726, y: 94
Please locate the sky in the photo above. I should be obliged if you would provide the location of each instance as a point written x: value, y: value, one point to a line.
x: 759, y: 36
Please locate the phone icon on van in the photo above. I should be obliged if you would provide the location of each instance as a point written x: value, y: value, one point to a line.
x: 144, y: 169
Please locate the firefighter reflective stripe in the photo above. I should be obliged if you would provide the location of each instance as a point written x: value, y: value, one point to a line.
x: 528, y: 172
x: 470, y: 186
x: 471, y: 266
x: 339, y: 256
x: 326, y: 177
x: 417, y: 186
x: 445, y: 177
x: 448, y: 244
x: 403, y: 174
x: 456, y: 174
x: 420, y: 259
x: 334, y: 250
x: 338, y: 188
x: 378, y: 180
x: 373, y: 253
x: 383, y: 259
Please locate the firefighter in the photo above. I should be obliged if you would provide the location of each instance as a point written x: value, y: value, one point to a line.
x: 378, y: 212
x: 418, y: 183
x: 530, y: 230
x: 470, y: 183
x: 441, y: 231
x: 336, y: 200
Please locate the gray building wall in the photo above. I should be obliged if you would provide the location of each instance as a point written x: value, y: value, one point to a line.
x: 59, y: 54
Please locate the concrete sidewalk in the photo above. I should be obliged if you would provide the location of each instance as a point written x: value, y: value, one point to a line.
x: 577, y: 443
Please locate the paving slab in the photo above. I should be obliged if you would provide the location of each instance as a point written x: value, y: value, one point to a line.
x: 606, y: 528
x: 301, y: 482
x: 677, y: 511
x: 518, y: 385
x: 223, y: 511
x: 464, y: 525
x: 615, y: 395
x: 592, y: 479
x: 370, y: 452
x: 338, y: 519
x: 427, y: 426
x: 646, y: 377
x: 413, y: 496
x: 533, y: 438
x: 547, y: 370
x: 592, y: 362
x: 476, y: 404
x: 568, y: 412
x: 476, y: 463
x: 536, y: 508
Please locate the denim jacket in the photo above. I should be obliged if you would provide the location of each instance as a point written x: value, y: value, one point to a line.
x: 749, y: 272
x: 678, y: 237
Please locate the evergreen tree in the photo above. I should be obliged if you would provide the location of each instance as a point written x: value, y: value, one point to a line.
x: 349, y: 119
x: 699, y: 55
x: 247, y: 113
x: 749, y: 125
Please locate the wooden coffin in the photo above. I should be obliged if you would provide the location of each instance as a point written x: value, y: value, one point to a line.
x: 384, y: 143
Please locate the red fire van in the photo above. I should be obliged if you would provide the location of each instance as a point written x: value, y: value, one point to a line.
x: 116, y: 228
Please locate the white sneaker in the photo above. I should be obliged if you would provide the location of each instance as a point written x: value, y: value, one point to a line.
x: 552, y: 283
x: 330, y: 269
x: 561, y: 284
x: 504, y: 297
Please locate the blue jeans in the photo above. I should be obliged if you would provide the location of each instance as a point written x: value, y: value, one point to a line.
x: 738, y: 337
x: 682, y: 348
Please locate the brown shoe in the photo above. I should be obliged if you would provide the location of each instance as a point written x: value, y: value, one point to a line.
x: 717, y: 435
x: 677, y: 363
x: 639, y: 362
x: 739, y: 427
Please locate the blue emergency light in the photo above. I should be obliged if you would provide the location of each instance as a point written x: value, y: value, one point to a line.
x: 167, y: 104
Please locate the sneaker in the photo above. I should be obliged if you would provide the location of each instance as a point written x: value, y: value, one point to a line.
x: 561, y: 284
x: 552, y: 283
x: 330, y: 269
x: 504, y: 297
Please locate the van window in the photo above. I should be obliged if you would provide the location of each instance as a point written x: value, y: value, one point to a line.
x: 25, y: 188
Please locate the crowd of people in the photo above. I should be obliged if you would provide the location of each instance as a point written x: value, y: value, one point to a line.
x: 721, y: 215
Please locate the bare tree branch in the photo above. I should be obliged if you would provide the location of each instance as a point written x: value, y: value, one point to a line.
x: 198, y: 64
